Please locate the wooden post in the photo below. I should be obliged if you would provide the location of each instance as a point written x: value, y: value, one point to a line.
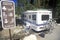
x: 10, y: 34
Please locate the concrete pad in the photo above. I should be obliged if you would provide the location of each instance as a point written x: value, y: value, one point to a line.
x: 30, y: 37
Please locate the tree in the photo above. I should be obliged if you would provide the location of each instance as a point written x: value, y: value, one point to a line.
x: 24, y: 5
x: 57, y: 15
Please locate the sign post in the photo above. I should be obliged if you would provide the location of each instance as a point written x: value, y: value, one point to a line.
x: 8, y: 15
x: 10, y: 34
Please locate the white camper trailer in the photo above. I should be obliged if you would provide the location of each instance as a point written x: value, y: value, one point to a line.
x: 36, y: 19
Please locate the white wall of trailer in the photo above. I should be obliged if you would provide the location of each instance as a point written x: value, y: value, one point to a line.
x: 39, y: 16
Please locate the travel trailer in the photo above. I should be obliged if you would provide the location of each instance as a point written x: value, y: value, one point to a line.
x: 36, y: 19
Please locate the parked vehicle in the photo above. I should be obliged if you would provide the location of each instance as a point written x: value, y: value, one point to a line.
x: 37, y: 20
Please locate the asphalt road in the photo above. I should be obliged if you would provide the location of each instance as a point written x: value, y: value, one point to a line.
x: 55, y: 35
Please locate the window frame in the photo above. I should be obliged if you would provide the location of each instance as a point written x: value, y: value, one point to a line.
x: 34, y: 17
x: 45, y: 17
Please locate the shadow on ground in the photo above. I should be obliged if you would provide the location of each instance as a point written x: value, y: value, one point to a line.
x: 1, y: 26
x: 19, y: 22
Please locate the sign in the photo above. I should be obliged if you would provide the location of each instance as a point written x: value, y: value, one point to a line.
x: 8, y: 14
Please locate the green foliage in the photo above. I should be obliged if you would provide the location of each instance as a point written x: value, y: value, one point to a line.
x: 57, y: 9
x: 27, y: 6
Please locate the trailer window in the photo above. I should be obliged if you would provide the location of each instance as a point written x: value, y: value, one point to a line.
x: 33, y: 17
x: 45, y: 17
x: 23, y: 15
x: 29, y: 16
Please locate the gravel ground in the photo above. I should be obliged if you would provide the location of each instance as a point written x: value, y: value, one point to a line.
x: 55, y: 35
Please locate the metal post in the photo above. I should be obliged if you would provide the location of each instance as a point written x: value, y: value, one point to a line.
x: 10, y: 34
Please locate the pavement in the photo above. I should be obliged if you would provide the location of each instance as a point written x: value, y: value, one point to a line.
x: 55, y: 35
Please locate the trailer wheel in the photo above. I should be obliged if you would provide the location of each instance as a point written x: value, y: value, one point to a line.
x: 42, y: 34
